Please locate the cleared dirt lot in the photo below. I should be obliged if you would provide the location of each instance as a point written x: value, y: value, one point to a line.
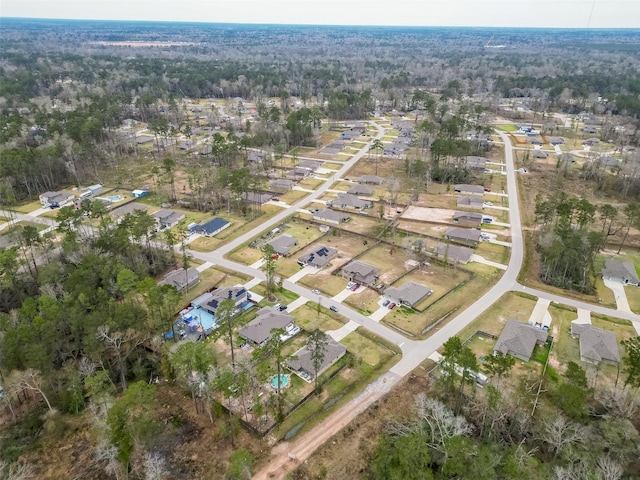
x: 437, y: 215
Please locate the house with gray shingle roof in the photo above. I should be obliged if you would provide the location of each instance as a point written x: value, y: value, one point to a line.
x: 370, y: 180
x: 540, y: 154
x: 330, y: 216
x: 470, y: 189
x: 120, y: 212
x: 470, y: 202
x: 283, y: 244
x: 596, y: 345
x: 360, y: 190
x: 180, y: 279
x: 55, y: 198
x: 258, y: 331
x: 623, y: 272
x: 167, y: 218
x: 318, y: 257
x: 409, y: 294
x: 346, y: 200
x: 519, y: 339
x: 302, y: 363
x: 361, y: 272
x: 476, y: 163
x: 257, y: 197
x: 282, y: 184
x: 211, y: 301
x: 471, y: 218
x: 453, y: 253
x: 463, y: 235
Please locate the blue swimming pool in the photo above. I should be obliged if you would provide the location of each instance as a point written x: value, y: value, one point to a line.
x: 204, y: 318
x: 114, y: 198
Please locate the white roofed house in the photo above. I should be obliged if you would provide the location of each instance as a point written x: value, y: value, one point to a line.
x: 409, y: 294
x: 55, y: 198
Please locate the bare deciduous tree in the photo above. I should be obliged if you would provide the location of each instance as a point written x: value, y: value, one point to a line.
x: 560, y: 433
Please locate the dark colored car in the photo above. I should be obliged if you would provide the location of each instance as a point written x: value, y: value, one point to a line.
x: 386, y: 303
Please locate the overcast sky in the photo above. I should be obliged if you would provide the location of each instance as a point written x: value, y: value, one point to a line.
x: 499, y: 13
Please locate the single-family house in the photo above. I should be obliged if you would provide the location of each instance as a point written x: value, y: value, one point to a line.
x: 519, y: 339
x: 77, y: 202
x: 470, y: 189
x: 167, y: 218
x: 590, y: 142
x: 211, y: 301
x: 370, y: 180
x: 210, y: 228
x: 453, y: 253
x: 93, y: 189
x: 623, y: 272
x: 303, y: 365
x: 255, y: 156
x: 346, y: 200
x: 534, y: 141
x: 607, y: 161
x: 258, y: 331
x: 281, y: 185
x: 120, y: 212
x: 330, y: 216
x: 55, y: 198
x: 360, y: 190
x: 180, y: 279
x: 319, y: 257
x: 596, y: 345
x: 470, y: 202
x: 361, y: 272
x: 409, y: 294
x: 589, y: 129
x: 463, y: 235
x: 311, y: 165
x: 476, y: 163
x: 470, y: 218
x: 257, y: 198
x: 298, y: 173
x: 556, y: 141
x: 540, y: 154
x: 283, y: 244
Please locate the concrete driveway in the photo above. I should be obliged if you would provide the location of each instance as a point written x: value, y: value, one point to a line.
x: 342, y: 332
x: 621, y: 296
x: 342, y: 296
x: 298, y: 302
x: 379, y: 314
x: 308, y: 270
x: 481, y: 259
x: 540, y: 315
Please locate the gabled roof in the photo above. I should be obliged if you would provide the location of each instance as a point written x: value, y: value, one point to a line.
x: 470, y: 202
x: 620, y: 270
x: 168, y: 216
x: 347, y: 200
x: 178, y: 279
x: 454, y: 253
x: 212, y: 303
x: 410, y: 292
x: 128, y: 208
x: 283, y: 243
x: 370, y: 179
x: 332, y: 352
x: 360, y: 190
x: 255, y: 197
x: 519, y: 339
x: 331, y: 215
x: 211, y: 226
x: 259, y: 329
x: 361, y: 268
x: 464, y: 187
x: 465, y: 234
x: 319, y: 256
x: 596, y: 344
x: 468, y: 216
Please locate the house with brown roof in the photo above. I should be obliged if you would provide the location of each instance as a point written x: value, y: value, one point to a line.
x: 519, y: 339
x: 470, y: 236
x: 258, y: 331
x: 409, y: 294
x: 469, y: 218
x: 453, y: 253
x: 623, y: 272
x: 302, y: 364
x: 361, y: 272
x: 596, y: 345
x: 283, y: 244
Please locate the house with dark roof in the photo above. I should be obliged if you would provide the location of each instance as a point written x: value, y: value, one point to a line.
x: 590, y: 142
x: 120, y: 212
x: 470, y: 189
x: 370, y: 180
x: 471, y: 202
x: 55, y: 198
x: 302, y: 363
x: 556, y: 141
x: 453, y: 253
x: 211, y: 228
x: 463, y: 235
x: 167, y: 218
x: 409, y: 294
x: 180, y: 279
x: 361, y: 272
x: 319, y: 257
x: 596, y: 345
x: 470, y: 218
x: 519, y: 339
x: 346, y: 200
x: 257, y: 198
x: 535, y: 141
x: 281, y: 185
x: 330, y: 216
x: 540, y: 154
x: 623, y: 272
x: 211, y: 301
x: 258, y: 331
x: 283, y: 244
x: 360, y: 190
x: 298, y: 173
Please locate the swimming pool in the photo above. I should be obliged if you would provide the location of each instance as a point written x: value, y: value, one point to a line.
x: 114, y: 198
x: 204, y: 318
x: 284, y: 381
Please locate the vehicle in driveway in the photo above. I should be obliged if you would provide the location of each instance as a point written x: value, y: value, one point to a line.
x: 349, y: 285
x: 354, y: 287
x: 333, y: 308
x: 392, y: 306
x: 315, y: 291
x: 386, y: 303
x: 279, y: 307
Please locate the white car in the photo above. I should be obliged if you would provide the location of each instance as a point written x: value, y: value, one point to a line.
x: 315, y: 291
x: 488, y: 204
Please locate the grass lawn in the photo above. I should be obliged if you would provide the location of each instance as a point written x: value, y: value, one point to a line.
x: 245, y: 254
x: 332, y: 166
x: 391, y: 264
x: 292, y: 196
x: 493, y: 252
x: 311, y: 183
x: 20, y: 225
x: 208, y: 278
x: 507, y: 128
x: 325, y: 282
x: 28, y: 207
x: 369, y: 350
x: 366, y: 302
x: 606, y: 296
x: 205, y: 244
x: 480, y: 345
x: 633, y: 297
x: 308, y: 318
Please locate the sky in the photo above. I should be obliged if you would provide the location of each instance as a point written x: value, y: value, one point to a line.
x: 489, y: 13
